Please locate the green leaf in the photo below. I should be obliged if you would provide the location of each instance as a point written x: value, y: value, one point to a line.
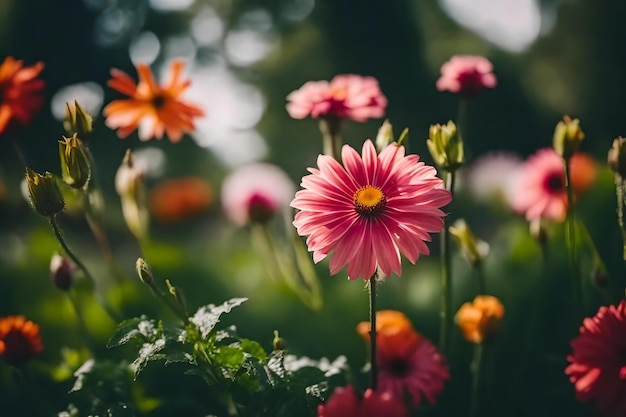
x: 148, y: 352
x: 135, y: 328
x: 229, y: 357
x: 208, y: 316
x: 178, y: 357
x: 254, y: 349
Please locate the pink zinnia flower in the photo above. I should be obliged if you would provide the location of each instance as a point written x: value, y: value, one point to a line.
x: 466, y: 74
x: 539, y: 186
x: 409, y: 363
x: 345, y: 403
x: 255, y: 193
x: 370, y: 210
x: 598, y: 362
x: 347, y: 96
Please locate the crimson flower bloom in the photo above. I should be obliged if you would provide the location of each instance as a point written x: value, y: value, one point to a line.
x: 19, y: 340
x: 370, y: 210
x: 20, y: 93
x: 539, y: 186
x: 598, y: 362
x: 345, y: 403
x: 154, y: 110
x: 347, y: 96
x: 467, y: 75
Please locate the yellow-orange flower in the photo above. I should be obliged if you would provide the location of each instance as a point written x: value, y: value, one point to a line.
x: 176, y: 199
x: 19, y: 340
x: 20, y: 90
x: 154, y: 110
x: 393, y: 329
x: 479, y: 319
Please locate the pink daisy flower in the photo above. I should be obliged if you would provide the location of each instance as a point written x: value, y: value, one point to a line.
x: 466, y: 74
x: 255, y: 193
x: 345, y: 403
x: 347, y: 96
x: 410, y: 365
x: 370, y: 210
x: 539, y: 185
x: 598, y: 363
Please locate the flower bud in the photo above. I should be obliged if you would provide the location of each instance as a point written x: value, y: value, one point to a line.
x: 480, y: 319
x: 617, y: 156
x: 44, y: 193
x: 446, y: 146
x: 62, y: 271
x: 567, y: 137
x: 130, y: 187
x: 278, y: 343
x: 474, y: 249
x: 75, y: 163
x: 599, y: 277
x: 77, y: 121
x: 385, y: 136
x: 143, y: 271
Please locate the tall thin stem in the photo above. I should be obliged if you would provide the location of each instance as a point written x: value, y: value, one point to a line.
x: 619, y: 191
x: 373, y: 353
x: 571, y: 239
x: 477, y: 365
x: 81, y: 266
x: 330, y: 136
x: 445, y: 312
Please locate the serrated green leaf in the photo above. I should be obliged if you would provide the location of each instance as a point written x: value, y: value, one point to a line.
x: 208, y: 316
x: 178, y: 357
x: 254, y: 349
x: 135, y: 328
x: 148, y: 352
x: 229, y: 357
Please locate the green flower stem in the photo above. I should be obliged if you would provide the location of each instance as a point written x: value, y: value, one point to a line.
x: 477, y: 370
x: 373, y: 361
x: 571, y: 239
x: 329, y: 127
x: 170, y: 301
x: 619, y: 190
x: 82, y: 267
x: 445, y: 312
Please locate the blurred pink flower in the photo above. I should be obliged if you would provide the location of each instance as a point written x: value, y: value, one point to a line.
x: 598, y: 363
x: 255, y: 193
x: 347, y: 96
x: 466, y: 74
x: 491, y: 176
x: 410, y: 365
x: 370, y: 210
x: 345, y: 403
x: 539, y: 186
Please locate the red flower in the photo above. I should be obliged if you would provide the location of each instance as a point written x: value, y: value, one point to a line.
x: 154, y: 110
x: 19, y: 340
x: 466, y: 74
x: 347, y: 96
x: 345, y: 403
x: 20, y: 92
x: 598, y: 361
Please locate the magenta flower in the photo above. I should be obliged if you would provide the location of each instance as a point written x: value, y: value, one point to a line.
x: 347, y: 96
x: 370, y: 210
x: 467, y: 75
x: 411, y: 365
x: 255, y: 193
x: 598, y: 363
x: 539, y: 185
x: 345, y: 403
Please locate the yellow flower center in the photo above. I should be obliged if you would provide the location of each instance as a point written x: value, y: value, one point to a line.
x: 369, y: 200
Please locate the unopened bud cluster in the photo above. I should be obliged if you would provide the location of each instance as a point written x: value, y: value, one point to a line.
x: 567, y: 137
x: 446, y: 146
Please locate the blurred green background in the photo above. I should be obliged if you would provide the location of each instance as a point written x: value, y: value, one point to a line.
x: 244, y: 56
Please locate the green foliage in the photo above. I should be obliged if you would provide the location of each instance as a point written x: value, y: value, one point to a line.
x: 237, y: 369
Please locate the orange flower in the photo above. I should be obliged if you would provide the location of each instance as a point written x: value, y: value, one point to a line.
x: 19, y: 340
x: 176, y: 199
x: 152, y: 109
x: 479, y: 319
x: 19, y: 93
x: 393, y: 329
